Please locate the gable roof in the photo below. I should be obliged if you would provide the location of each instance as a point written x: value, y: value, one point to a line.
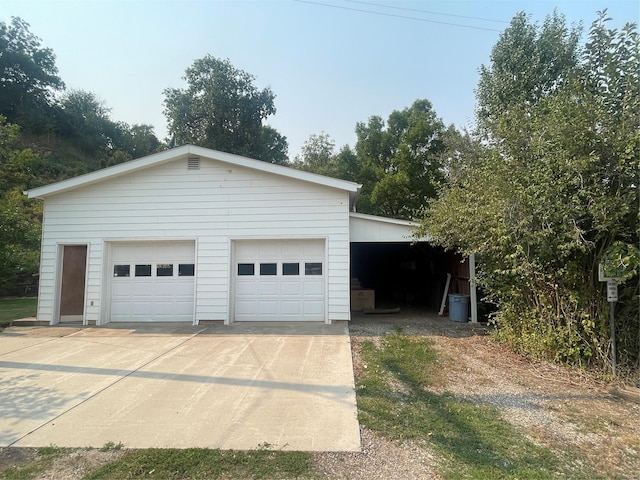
x: 190, y: 151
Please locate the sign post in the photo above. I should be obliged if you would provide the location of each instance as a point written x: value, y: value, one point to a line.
x: 612, y: 298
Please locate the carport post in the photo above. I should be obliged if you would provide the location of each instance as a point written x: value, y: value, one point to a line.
x: 472, y: 288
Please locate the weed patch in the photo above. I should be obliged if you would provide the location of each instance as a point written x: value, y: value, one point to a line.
x: 205, y: 463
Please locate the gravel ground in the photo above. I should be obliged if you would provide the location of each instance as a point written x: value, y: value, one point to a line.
x: 554, y: 406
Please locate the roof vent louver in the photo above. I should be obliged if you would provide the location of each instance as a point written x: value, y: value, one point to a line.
x: 193, y: 163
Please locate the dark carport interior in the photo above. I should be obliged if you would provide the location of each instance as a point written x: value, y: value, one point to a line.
x: 408, y: 274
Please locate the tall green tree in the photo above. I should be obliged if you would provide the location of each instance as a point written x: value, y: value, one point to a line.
x: 28, y: 75
x: 319, y: 155
x: 556, y: 188
x: 400, y: 160
x: 222, y: 109
x: 528, y: 63
x: 316, y: 153
x: 86, y: 122
x: 19, y: 218
x: 139, y: 140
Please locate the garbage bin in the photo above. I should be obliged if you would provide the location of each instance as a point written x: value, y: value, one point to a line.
x: 458, y: 307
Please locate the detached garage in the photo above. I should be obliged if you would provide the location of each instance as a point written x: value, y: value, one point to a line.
x: 194, y: 235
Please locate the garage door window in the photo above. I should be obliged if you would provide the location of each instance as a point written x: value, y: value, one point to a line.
x: 186, y: 270
x: 143, y: 270
x: 313, y: 268
x: 245, y: 269
x: 290, y: 269
x: 164, y: 270
x: 268, y: 269
x: 121, y: 270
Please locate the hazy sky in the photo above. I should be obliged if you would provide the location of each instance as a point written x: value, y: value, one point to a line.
x: 331, y: 63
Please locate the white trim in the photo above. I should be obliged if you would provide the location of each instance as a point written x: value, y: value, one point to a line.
x: 327, y: 270
x: 55, y: 314
x: 87, y: 259
x: 105, y: 306
x: 376, y: 218
x: 190, y: 151
x: 195, y: 280
x: 472, y: 288
x: 231, y: 309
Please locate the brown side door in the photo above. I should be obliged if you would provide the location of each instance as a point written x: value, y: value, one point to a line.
x: 74, y: 261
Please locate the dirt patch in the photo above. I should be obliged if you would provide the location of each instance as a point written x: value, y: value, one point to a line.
x: 560, y: 408
x: 17, y: 457
x: 78, y: 463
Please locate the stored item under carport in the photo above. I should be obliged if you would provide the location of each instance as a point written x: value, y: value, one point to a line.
x: 458, y: 307
x: 363, y: 299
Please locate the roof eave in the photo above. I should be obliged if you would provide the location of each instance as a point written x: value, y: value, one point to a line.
x: 177, y: 152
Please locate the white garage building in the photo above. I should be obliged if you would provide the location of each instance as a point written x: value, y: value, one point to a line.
x: 192, y: 234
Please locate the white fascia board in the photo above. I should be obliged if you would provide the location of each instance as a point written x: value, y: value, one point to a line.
x: 376, y: 218
x: 184, y: 151
x: 391, y: 221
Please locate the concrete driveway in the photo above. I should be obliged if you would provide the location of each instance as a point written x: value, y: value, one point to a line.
x: 282, y: 385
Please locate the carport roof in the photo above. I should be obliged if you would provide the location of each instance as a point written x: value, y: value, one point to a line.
x: 372, y: 228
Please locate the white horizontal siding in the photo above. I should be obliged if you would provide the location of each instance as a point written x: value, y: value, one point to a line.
x: 212, y: 205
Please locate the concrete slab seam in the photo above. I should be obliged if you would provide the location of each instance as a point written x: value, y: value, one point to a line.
x: 29, y: 346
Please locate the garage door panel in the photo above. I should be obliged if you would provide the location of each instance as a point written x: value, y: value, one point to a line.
x: 291, y: 288
x: 268, y: 308
x: 120, y: 288
x: 246, y: 307
x: 268, y: 250
x: 119, y: 309
x: 142, y: 308
x: 313, y: 307
x: 152, y: 298
x: 292, y: 307
x: 170, y: 307
x: 246, y: 288
x: 313, y: 288
x: 267, y: 289
x: 292, y: 251
x: 283, y: 296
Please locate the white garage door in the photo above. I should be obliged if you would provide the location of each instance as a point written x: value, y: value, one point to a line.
x: 279, y: 280
x: 152, y: 282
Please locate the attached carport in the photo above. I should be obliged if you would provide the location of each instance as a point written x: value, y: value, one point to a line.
x: 404, y: 271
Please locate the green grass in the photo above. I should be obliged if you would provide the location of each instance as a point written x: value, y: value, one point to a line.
x: 43, y: 460
x: 205, y: 463
x: 474, y: 441
x: 13, y: 308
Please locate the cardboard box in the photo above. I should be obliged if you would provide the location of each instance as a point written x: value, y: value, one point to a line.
x: 363, y: 299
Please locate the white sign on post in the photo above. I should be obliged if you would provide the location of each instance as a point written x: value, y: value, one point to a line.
x: 612, y: 290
